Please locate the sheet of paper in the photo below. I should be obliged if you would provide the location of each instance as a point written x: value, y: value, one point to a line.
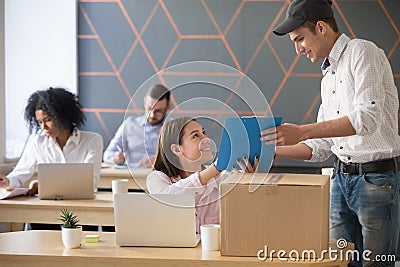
x: 12, y: 193
x: 126, y: 166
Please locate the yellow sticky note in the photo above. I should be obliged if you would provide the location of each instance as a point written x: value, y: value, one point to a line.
x: 91, y: 238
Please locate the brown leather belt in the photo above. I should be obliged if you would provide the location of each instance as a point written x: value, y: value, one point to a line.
x: 385, y: 165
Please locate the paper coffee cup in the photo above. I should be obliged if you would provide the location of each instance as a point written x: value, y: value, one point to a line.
x: 119, y: 186
x: 327, y: 171
x: 210, y: 236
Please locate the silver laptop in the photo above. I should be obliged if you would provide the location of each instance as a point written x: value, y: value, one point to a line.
x: 65, y: 181
x: 164, y: 220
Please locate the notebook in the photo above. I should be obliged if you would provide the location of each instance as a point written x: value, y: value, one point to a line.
x: 165, y: 220
x: 65, y: 181
x: 241, y: 137
x: 18, y: 191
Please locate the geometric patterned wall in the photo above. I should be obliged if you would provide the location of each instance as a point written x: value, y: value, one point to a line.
x: 124, y: 42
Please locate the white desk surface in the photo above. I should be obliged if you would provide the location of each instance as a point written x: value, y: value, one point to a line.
x: 44, y: 248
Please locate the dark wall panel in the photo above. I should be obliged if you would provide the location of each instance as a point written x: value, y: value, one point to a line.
x: 124, y: 43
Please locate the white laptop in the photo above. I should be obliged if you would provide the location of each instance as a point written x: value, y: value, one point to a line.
x: 65, y: 181
x: 163, y: 220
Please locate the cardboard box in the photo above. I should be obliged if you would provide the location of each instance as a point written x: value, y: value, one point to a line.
x: 286, y: 212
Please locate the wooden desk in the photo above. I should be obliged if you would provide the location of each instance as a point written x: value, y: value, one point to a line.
x: 44, y: 248
x: 97, y: 211
x: 136, y: 177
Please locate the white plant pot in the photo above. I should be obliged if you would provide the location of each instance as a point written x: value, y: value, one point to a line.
x: 71, y: 237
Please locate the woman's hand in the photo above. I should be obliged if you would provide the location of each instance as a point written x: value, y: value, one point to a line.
x: 4, y: 182
x: 33, y: 188
x: 245, y: 165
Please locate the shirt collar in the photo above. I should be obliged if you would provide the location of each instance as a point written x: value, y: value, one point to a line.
x: 336, y: 52
x: 143, y: 120
x: 73, y: 138
x: 325, y: 64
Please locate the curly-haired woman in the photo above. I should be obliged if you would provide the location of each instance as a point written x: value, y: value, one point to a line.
x: 55, y: 115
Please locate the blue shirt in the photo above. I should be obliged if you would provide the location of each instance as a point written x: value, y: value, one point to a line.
x: 136, y: 138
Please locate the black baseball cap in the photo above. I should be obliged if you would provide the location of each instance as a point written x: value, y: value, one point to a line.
x: 299, y: 11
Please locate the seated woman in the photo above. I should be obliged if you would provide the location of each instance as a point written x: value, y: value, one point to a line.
x: 56, y: 115
x: 183, y: 148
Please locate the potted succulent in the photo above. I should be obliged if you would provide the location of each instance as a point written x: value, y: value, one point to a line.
x: 71, y: 232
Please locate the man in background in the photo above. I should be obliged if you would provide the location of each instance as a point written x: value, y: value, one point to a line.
x: 135, y: 141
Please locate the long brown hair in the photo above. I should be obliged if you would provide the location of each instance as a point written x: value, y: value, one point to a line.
x: 171, y: 133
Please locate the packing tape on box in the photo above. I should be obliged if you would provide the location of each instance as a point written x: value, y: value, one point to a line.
x: 274, y: 180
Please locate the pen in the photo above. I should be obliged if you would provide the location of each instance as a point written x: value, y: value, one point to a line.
x: 119, y: 148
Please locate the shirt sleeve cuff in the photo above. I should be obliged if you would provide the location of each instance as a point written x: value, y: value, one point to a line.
x: 196, y: 180
x: 314, y: 151
x: 13, y: 184
x: 354, y: 122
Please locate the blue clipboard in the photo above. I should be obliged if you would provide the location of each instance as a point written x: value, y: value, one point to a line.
x: 241, y: 137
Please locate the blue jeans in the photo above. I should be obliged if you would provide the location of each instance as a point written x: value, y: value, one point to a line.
x: 364, y: 209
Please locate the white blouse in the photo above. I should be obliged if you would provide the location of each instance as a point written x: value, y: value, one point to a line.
x: 81, y: 147
x: 207, y: 196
